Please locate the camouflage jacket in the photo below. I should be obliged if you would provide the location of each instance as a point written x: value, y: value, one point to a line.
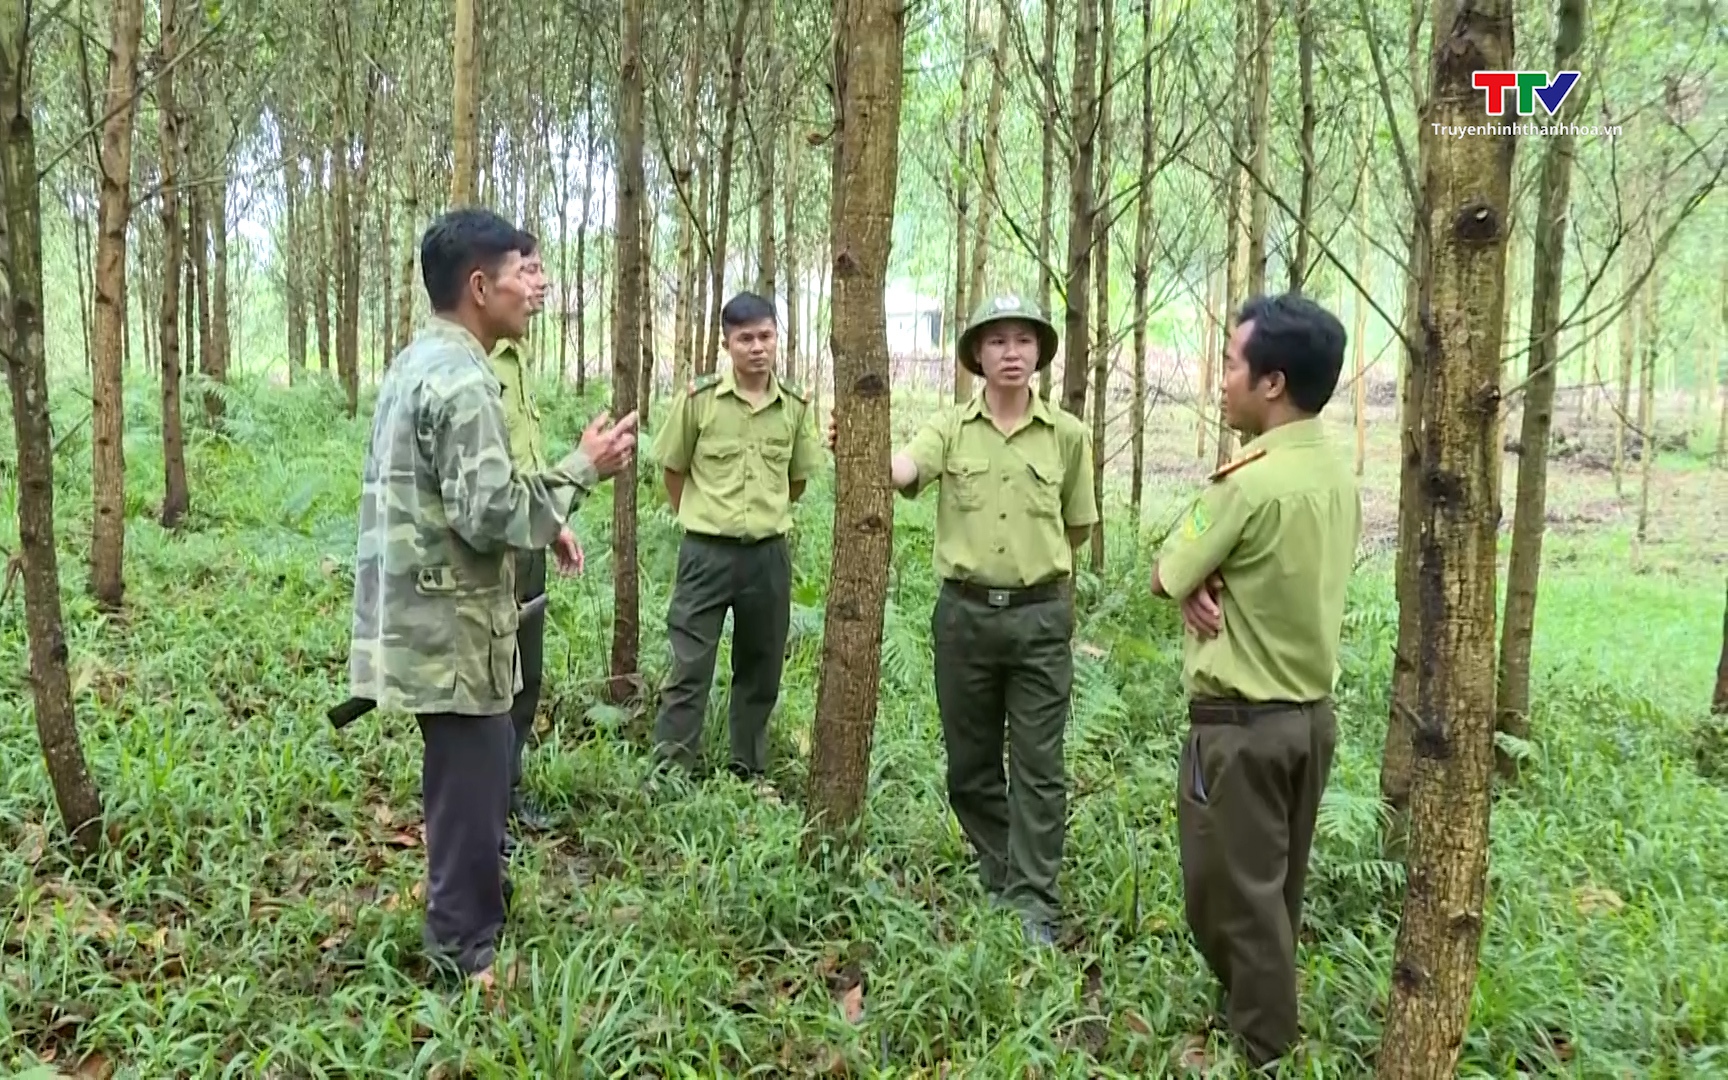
x: 441, y: 509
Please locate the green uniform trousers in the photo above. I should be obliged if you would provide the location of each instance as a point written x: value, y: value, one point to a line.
x: 1005, y: 665
x: 1250, y: 782
x: 752, y: 579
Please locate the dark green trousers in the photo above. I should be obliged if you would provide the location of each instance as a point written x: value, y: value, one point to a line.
x: 1007, y: 668
x: 753, y: 580
x: 530, y: 646
x: 1249, y: 788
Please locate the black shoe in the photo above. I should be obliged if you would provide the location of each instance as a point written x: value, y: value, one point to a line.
x: 527, y: 815
x: 745, y: 773
x: 1038, y: 932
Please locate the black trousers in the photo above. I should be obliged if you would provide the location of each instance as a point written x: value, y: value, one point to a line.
x: 465, y: 785
x: 754, y: 581
x: 530, y: 644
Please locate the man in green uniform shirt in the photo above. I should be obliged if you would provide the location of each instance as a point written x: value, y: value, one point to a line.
x: 1260, y: 566
x: 737, y: 449
x: 528, y: 455
x: 1015, y: 498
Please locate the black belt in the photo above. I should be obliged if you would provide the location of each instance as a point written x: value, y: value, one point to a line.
x: 1240, y: 711
x: 1007, y: 598
x: 734, y: 541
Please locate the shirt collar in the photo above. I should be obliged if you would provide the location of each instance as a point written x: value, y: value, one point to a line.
x: 729, y: 385
x: 507, y: 350
x: 1296, y: 433
x: 975, y: 408
x: 445, y: 327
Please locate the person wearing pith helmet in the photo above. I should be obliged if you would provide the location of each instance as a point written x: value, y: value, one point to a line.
x: 1014, y: 477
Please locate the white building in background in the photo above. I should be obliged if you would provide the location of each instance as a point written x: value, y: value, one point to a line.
x: 914, y: 321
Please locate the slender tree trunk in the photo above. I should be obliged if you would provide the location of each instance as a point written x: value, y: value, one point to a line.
x: 321, y: 290
x: 987, y: 194
x: 294, y: 272
x: 790, y: 195
x: 216, y: 362
x: 723, y: 181
x: 1466, y: 185
x: 24, y: 353
x: 1211, y: 352
x: 868, y: 54
x: 689, y: 314
x: 107, y: 395
x: 176, y: 499
x: 766, y: 139
x: 465, y: 105
x: 1719, y: 696
x: 1647, y: 404
x: 1299, y: 262
x: 1142, y: 275
x: 1104, y: 340
x: 1047, y: 178
x: 1628, y: 356
x: 1547, y: 276
x: 590, y: 141
x: 1076, y: 324
x: 627, y: 347
x: 962, y: 194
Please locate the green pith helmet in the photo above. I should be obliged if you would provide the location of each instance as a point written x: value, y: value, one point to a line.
x: 1000, y: 308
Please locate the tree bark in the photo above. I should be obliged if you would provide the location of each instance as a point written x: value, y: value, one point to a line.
x: 962, y: 194
x: 1466, y: 190
x: 868, y: 54
x: 1305, y: 143
x: 107, y: 395
x: 294, y: 271
x: 1142, y: 275
x: 1719, y: 696
x: 176, y: 499
x: 723, y: 181
x: 627, y: 348
x: 23, y: 351
x: 1077, y: 328
x: 465, y: 107
x: 1101, y: 254
x: 1547, y: 277
x: 1047, y: 177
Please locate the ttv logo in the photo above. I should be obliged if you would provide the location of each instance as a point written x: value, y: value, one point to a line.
x: 1531, y: 86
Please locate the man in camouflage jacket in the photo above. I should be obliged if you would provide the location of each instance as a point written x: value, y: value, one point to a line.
x: 442, y: 512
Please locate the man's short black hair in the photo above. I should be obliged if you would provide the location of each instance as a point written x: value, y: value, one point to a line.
x: 744, y: 309
x: 528, y: 243
x: 459, y: 243
x: 1299, y: 338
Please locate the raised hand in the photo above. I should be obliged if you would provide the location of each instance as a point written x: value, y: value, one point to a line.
x: 833, y: 431
x: 1201, y: 611
x: 609, y: 446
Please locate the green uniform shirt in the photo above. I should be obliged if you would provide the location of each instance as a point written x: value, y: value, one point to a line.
x: 738, y: 459
x: 521, y: 417
x: 1006, y: 502
x: 1280, y: 525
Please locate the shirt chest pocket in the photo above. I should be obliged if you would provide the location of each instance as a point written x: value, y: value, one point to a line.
x: 1042, y: 484
x: 963, y: 481
x: 777, y: 453
x: 721, y: 463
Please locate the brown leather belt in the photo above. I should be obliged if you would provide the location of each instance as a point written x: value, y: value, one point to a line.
x: 1008, y: 598
x: 1238, y: 711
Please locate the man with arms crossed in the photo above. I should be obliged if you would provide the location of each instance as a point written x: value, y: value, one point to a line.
x: 1260, y: 566
x: 441, y: 514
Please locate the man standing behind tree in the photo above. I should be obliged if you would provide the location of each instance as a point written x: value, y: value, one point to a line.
x: 1015, y: 498
x: 528, y: 455
x: 441, y: 514
x: 1260, y: 566
x: 737, y: 449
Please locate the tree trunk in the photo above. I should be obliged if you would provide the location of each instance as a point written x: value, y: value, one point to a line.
x: 789, y: 192
x: 766, y: 137
x: 1547, y: 276
x: 1466, y: 185
x: 590, y: 143
x: 962, y: 195
x: 1142, y: 277
x: 1211, y: 352
x: 987, y: 194
x: 1647, y: 404
x: 294, y: 271
x: 23, y: 351
x: 689, y: 313
x: 107, y: 396
x: 627, y: 348
x: 1077, y: 328
x: 176, y: 499
x: 1719, y: 696
x: 868, y: 53
x: 465, y: 106
x: 320, y: 192
x: 1047, y: 178
x: 1103, y: 340
x: 1628, y: 355
x: 216, y: 363
x: 1305, y: 144
x: 723, y: 180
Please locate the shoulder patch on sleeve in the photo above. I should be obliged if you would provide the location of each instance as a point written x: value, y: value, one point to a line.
x: 706, y: 382
x: 1197, y: 521
x: 1246, y: 459
x: 796, y: 391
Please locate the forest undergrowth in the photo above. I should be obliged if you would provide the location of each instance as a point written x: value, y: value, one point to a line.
x: 256, y: 912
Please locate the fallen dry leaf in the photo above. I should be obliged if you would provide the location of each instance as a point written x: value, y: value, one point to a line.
x: 93, y: 1067
x: 34, y: 844
x: 334, y: 941
x: 1136, y: 1023
x: 1090, y: 650
x: 1593, y: 900
x: 852, y: 1003
x: 383, y: 815
x: 86, y: 917
x: 403, y: 839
